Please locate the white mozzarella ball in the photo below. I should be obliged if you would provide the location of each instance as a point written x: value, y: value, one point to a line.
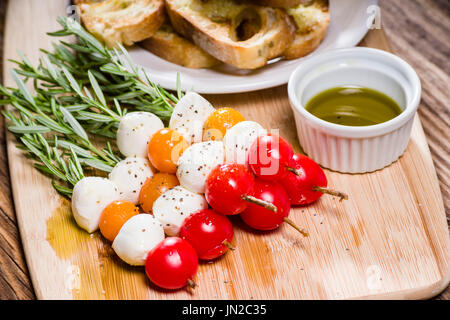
x: 238, y: 140
x: 175, y: 205
x: 137, y: 237
x: 189, y: 115
x: 196, y: 163
x: 130, y: 175
x: 90, y: 196
x: 135, y: 131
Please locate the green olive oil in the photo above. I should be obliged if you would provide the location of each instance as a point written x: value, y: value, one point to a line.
x: 353, y: 106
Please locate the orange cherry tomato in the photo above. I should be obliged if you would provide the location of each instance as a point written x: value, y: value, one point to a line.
x: 219, y: 122
x: 165, y: 148
x: 114, y: 216
x: 154, y: 187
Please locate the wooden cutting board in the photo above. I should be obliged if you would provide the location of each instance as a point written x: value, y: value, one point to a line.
x: 390, y: 240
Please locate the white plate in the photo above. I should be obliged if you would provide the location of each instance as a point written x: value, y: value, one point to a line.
x: 349, y: 24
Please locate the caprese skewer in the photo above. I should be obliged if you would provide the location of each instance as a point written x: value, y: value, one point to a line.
x: 183, y: 181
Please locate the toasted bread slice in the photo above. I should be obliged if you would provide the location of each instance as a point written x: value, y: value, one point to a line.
x: 169, y: 45
x: 312, y: 23
x: 245, y: 36
x: 122, y: 21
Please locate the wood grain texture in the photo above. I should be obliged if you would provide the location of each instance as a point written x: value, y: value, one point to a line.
x: 14, y: 280
x: 16, y: 285
x: 419, y: 32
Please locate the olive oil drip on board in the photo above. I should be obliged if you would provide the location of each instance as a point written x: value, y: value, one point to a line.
x: 353, y: 106
x: 75, y: 245
x: 97, y: 272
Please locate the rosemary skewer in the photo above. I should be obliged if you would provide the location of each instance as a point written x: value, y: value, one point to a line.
x: 60, y: 159
x: 79, y: 89
x: 73, y: 73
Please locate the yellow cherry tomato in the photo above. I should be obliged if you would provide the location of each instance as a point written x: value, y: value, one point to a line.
x: 154, y: 187
x: 219, y: 122
x: 114, y: 216
x: 165, y: 148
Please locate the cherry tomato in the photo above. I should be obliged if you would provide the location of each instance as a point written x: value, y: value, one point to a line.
x: 226, y: 186
x: 261, y: 218
x: 219, y: 122
x: 300, y: 188
x: 165, y: 148
x: 114, y: 216
x: 208, y: 232
x: 154, y: 187
x: 308, y: 182
x: 270, y: 156
x: 172, y: 264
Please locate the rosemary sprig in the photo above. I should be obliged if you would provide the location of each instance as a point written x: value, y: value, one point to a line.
x: 118, y: 75
x: 80, y: 89
x: 62, y: 160
x: 89, y: 75
x: 57, y: 119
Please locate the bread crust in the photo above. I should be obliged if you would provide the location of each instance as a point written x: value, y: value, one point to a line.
x: 305, y: 43
x: 170, y: 46
x: 103, y: 21
x: 274, y: 36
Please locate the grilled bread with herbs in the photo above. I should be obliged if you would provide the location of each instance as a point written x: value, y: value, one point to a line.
x: 171, y: 46
x: 122, y: 21
x: 243, y: 35
x: 311, y: 21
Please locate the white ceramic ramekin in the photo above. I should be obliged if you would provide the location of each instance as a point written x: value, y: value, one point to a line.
x: 354, y: 149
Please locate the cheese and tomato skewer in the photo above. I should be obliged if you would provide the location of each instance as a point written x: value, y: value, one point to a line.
x: 182, y: 210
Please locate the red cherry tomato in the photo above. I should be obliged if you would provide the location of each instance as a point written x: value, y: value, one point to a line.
x: 270, y: 156
x: 226, y: 186
x: 208, y: 232
x: 300, y: 188
x: 172, y: 264
x: 261, y: 218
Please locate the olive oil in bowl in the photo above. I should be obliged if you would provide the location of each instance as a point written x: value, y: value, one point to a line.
x: 353, y: 106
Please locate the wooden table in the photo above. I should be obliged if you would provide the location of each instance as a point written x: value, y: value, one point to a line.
x: 418, y: 31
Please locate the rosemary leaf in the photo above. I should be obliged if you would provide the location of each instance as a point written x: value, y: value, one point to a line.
x: 23, y: 89
x: 76, y: 149
x: 29, y: 129
x: 63, y: 190
x: 96, y: 164
x: 96, y: 87
x: 74, y: 124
